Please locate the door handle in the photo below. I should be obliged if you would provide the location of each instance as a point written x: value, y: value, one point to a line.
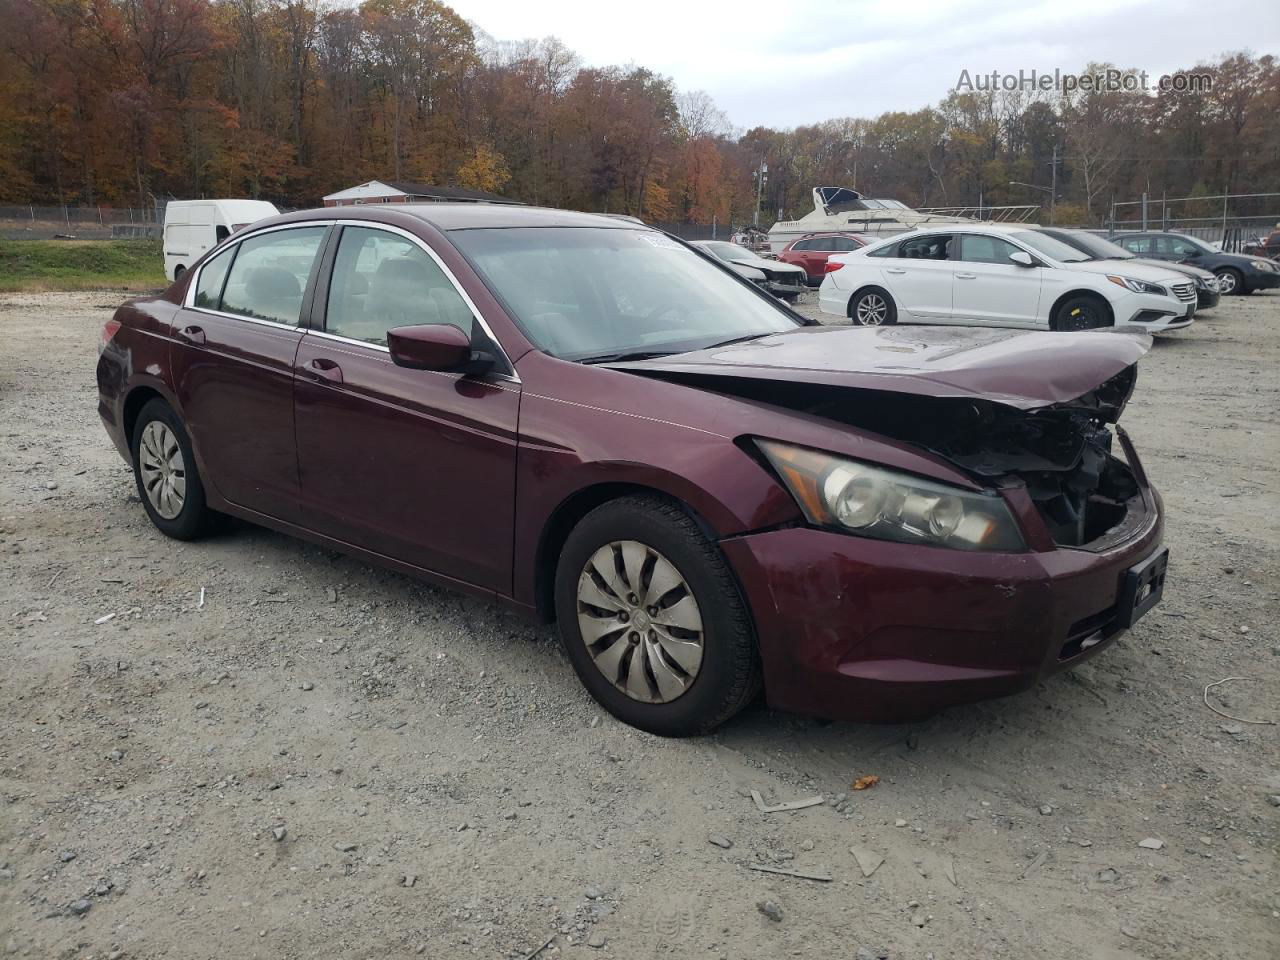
x: 894, y: 270
x: 193, y: 335
x: 966, y: 276
x: 322, y: 368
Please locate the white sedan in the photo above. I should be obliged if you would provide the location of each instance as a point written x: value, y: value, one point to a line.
x: 1000, y: 276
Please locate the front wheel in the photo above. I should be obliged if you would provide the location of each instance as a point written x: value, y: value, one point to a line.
x: 1080, y: 313
x: 1229, y: 281
x: 873, y: 308
x: 652, y: 620
x: 164, y: 469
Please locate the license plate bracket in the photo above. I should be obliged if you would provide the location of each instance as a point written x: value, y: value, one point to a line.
x: 1142, y: 589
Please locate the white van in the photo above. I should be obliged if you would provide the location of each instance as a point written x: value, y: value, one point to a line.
x: 193, y: 227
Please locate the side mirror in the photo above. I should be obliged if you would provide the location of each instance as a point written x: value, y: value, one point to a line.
x: 436, y: 346
x: 1022, y: 259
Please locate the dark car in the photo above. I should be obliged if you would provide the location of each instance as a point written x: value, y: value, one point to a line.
x: 812, y: 252
x: 780, y: 279
x: 1097, y: 248
x: 589, y: 421
x: 1235, y: 273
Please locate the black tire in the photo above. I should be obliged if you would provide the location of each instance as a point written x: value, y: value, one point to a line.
x: 729, y: 675
x: 1232, y: 279
x: 194, y: 519
x: 1081, y: 312
x: 867, y: 305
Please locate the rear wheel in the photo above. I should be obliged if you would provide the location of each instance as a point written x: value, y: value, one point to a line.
x: 652, y: 620
x: 164, y: 469
x: 872, y: 308
x: 1081, y: 313
x: 1229, y: 281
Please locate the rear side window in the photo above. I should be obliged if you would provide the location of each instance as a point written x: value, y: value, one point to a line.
x: 931, y: 247
x: 888, y: 250
x: 1136, y: 244
x: 802, y: 245
x: 381, y: 281
x: 209, y: 286
x: 841, y: 244
x: 270, y: 274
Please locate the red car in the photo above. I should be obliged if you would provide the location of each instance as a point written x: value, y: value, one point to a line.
x: 585, y: 420
x: 811, y: 252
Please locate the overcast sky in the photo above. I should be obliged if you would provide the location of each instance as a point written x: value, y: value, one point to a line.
x: 786, y: 62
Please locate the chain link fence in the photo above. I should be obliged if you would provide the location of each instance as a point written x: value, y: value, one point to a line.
x: 28, y: 221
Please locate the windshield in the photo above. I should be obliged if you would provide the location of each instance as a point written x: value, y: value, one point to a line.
x: 593, y: 293
x: 1055, y: 249
x: 730, y: 251
x: 1095, y: 246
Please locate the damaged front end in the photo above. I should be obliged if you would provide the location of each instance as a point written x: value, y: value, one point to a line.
x: 1064, y: 454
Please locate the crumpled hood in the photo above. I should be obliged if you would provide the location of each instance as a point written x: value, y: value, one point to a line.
x: 1024, y: 369
x: 775, y: 265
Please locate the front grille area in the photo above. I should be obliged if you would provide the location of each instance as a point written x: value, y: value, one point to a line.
x: 1186, y: 292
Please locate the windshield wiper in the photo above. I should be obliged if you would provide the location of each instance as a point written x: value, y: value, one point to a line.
x: 725, y: 343
x: 624, y: 357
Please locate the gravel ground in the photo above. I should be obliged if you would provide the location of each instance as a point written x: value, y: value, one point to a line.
x: 272, y: 751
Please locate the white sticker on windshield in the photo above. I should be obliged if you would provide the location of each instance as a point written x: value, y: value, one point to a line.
x: 661, y: 242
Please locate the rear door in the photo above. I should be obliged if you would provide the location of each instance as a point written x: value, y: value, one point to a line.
x: 416, y: 465
x: 989, y: 287
x: 232, y: 362
x: 920, y: 277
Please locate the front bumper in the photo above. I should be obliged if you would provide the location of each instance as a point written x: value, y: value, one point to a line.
x: 857, y: 629
x: 782, y: 288
x: 1207, y: 299
x: 1258, y: 280
x: 1152, y: 313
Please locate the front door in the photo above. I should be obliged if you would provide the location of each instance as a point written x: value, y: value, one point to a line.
x: 920, y: 276
x: 233, y: 366
x: 416, y: 465
x: 990, y: 287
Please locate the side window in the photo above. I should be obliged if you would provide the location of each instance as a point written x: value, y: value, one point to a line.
x: 930, y: 247
x: 1180, y: 248
x: 382, y: 280
x: 888, y: 250
x: 1138, y: 245
x: 802, y: 245
x: 978, y: 248
x: 209, y: 286
x: 270, y: 274
x: 843, y: 244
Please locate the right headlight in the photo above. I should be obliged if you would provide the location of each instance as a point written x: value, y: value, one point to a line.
x: 870, y: 501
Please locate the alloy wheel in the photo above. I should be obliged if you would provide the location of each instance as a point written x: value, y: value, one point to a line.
x: 164, y: 472
x: 640, y: 621
x: 1226, y: 282
x: 871, y: 310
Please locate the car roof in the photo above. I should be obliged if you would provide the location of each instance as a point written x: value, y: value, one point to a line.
x: 471, y: 216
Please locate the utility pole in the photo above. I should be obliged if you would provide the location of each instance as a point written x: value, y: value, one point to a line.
x: 761, y: 172
x: 1053, y: 188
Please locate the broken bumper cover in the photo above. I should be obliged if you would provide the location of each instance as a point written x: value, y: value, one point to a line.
x: 857, y: 629
x: 786, y: 287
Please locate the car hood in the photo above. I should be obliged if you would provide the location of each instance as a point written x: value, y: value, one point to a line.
x: 1128, y: 268
x: 1183, y: 268
x: 775, y: 265
x: 1026, y: 370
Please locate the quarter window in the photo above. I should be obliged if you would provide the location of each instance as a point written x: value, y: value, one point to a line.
x: 979, y: 248
x: 209, y: 286
x: 270, y: 274
x: 930, y: 247
x: 381, y: 281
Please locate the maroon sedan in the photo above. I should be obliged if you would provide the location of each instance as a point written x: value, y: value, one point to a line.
x: 812, y: 252
x: 594, y: 423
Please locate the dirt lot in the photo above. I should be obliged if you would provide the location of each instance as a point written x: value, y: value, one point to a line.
x: 328, y: 760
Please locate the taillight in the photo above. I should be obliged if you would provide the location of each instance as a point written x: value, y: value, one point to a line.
x: 832, y: 266
x: 108, y: 332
